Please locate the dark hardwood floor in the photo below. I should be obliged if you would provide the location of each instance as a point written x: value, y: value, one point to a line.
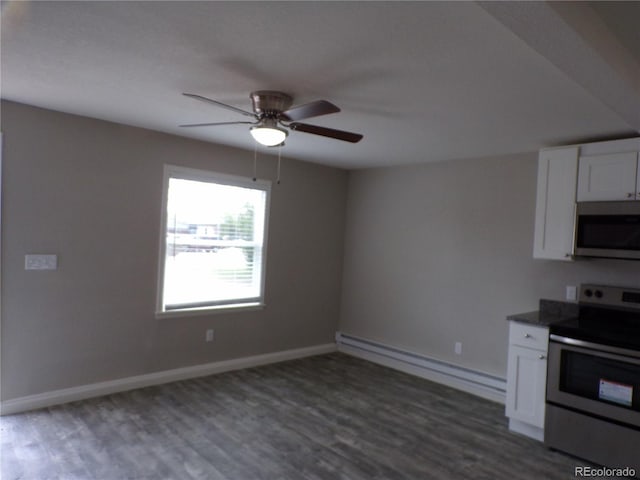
x: 326, y: 417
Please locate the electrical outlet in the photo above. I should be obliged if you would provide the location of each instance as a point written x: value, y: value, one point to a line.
x: 458, y: 348
x: 209, y: 335
x: 571, y: 293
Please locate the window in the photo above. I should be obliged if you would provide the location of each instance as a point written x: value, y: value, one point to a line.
x: 214, y: 230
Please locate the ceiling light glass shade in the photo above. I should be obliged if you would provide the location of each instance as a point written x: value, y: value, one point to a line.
x: 268, y: 134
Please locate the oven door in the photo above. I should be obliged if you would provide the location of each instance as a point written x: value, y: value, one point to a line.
x: 595, y: 379
x: 608, y: 229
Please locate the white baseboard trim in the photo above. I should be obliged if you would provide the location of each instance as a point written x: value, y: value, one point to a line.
x: 56, y: 397
x: 471, y: 381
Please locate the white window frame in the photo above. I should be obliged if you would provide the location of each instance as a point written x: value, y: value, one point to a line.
x: 186, y: 173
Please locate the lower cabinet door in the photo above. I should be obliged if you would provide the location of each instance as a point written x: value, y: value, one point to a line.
x: 526, y: 385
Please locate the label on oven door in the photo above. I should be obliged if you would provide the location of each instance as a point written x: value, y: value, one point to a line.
x: 615, y: 392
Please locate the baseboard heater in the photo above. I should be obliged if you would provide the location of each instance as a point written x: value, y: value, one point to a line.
x: 478, y: 383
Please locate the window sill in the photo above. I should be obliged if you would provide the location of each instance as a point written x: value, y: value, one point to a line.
x: 192, y: 312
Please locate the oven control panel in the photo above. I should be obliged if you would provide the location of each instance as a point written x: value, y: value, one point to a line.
x: 610, y: 296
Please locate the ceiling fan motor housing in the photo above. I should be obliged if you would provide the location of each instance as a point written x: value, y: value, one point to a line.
x: 268, y: 103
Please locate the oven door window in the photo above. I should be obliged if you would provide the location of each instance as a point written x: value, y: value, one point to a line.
x: 602, y: 379
x: 614, y: 232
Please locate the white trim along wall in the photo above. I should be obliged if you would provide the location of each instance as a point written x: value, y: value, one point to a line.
x: 56, y: 397
x: 475, y: 382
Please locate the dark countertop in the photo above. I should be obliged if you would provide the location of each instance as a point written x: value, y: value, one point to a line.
x: 550, y: 311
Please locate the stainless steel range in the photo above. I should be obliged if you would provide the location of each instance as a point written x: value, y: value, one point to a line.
x: 593, y: 379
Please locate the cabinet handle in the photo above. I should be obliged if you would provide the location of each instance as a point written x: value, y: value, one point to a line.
x: 542, y: 357
x: 526, y: 335
x: 631, y: 195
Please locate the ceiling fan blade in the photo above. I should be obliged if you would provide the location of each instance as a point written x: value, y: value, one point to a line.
x: 308, y: 110
x: 220, y: 104
x: 326, y: 132
x: 217, y: 123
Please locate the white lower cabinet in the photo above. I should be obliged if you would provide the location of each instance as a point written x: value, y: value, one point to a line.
x: 526, y: 379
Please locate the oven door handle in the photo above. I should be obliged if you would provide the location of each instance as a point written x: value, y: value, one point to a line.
x: 594, y: 346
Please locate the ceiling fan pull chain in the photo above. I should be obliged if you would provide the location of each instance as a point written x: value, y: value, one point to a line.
x: 255, y: 161
x: 279, y: 153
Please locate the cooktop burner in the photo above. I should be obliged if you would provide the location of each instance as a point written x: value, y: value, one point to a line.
x: 607, y: 315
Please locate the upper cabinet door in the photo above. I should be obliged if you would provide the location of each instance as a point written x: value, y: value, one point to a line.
x: 555, y: 204
x: 612, y: 176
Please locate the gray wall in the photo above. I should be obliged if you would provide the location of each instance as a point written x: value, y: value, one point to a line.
x: 90, y: 192
x: 433, y: 254
x: 440, y: 253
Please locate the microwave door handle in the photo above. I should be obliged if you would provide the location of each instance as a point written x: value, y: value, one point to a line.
x: 575, y: 234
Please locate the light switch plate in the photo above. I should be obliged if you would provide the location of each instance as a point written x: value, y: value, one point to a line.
x: 40, y: 262
x: 571, y: 293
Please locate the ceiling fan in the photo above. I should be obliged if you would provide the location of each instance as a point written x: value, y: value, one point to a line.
x: 274, y: 116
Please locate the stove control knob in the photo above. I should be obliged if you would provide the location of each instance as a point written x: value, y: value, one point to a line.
x: 598, y: 294
x: 588, y: 293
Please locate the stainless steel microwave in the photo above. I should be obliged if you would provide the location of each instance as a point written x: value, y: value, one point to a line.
x: 608, y: 229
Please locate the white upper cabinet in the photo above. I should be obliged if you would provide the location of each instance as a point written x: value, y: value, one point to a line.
x: 555, y: 204
x: 612, y: 176
x: 600, y: 171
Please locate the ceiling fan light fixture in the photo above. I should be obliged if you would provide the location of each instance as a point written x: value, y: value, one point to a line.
x: 268, y: 134
x: 271, y: 109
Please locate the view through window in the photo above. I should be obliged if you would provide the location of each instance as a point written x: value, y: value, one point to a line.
x: 215, y: 227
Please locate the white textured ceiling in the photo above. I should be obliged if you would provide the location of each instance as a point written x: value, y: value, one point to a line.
x: 422, y: 81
